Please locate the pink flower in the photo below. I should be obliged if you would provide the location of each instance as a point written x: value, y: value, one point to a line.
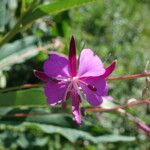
x: 63, y: 76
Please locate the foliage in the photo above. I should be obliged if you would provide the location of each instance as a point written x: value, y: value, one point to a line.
x: 113, y: 29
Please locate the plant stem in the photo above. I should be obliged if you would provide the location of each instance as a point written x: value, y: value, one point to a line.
x: 108, y: 79
x: 26, y: 86
x: 18, y: 27
x: 95, y: 109
x: 138, y: 102
x: 140, y: 124
x: 127, y: 77
x: 12, y: 33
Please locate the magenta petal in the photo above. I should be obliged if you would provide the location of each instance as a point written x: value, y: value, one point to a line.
x: 56, y: 66
x: 105, y: 90
x: 55, y: 92
x: 72, y: 57
x: 90, y: 64
x: 75, y: 107
x: 94, y: 97
x: 41, y: 75
x: 109, y: 69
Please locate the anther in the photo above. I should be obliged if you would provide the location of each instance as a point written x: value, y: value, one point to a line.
x: 54, y: 80
x: 92, y: 87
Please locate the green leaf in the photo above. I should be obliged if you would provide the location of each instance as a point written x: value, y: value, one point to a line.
x: 53, y: 7
x: 73, y: 135
x: 53, y: 119
x: 27, y: 97
x: 44, y: 116
x: 18, y: 51
x: 2, y: 14
x: 2, y: 80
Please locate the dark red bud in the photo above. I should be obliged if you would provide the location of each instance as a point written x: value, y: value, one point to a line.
x: 64, y: 106
x: 82, y: 110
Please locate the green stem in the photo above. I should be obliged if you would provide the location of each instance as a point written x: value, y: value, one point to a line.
x: 12, y: 33
x: 18, y: 27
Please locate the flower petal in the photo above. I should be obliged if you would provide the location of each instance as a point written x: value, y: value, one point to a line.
x: 90, y: 64
x: 94, y: 96
x: 105, y: 90
x: 109, y: 69
x: 41, y: 75
x: 72, y: 57
x: 55, y: 92
x: 75, y: 107
x: 56, y: 66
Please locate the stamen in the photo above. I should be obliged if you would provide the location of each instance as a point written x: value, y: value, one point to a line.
x: 76, y: 86
x: 92, y: 87
x: 55, y: 80
x: 67, y: 91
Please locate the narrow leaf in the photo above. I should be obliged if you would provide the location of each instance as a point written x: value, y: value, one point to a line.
x: 2, y: 14
x: 27, y: 97
x: 53, y: 7
x: 18, y: 51
x: 73, y: 135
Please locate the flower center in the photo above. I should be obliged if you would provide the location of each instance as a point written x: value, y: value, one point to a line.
x: 74, y: 79
x: 73, y: 84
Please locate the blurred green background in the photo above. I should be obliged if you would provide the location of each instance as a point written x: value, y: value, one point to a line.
x: 113, y: 30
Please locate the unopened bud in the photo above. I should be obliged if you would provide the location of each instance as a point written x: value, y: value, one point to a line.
x: 82, y: 110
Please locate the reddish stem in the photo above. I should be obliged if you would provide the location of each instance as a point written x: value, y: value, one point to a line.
x: 27, y: 86
x: 138, y: 102
x: 130, y: 77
